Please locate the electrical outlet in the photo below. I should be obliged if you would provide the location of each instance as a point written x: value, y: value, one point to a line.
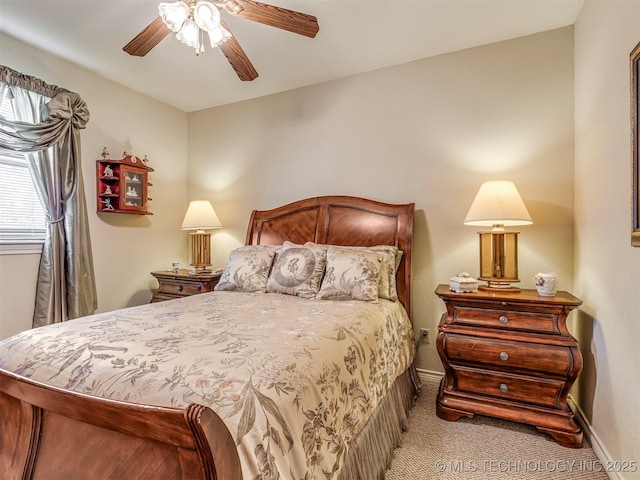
x: 425, y: 335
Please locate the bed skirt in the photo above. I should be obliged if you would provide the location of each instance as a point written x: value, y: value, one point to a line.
x: 370, y: 452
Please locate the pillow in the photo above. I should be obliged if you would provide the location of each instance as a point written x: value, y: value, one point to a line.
x: 351, y: 275
x: 248, y: 269
x: 389, y: 266
x: 297, y: 270
x: 390, y: 260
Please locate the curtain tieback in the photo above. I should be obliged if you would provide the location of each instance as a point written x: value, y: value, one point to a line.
x: 57, y: 220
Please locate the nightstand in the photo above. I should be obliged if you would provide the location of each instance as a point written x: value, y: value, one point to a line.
x: 180, y: 284
x: 509, y: 355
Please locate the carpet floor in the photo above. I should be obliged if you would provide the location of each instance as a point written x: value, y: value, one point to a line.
x: 482, y: 448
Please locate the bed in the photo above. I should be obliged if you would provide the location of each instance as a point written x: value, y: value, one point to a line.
x: 230, y: 384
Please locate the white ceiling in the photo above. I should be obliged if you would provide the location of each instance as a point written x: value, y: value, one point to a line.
x: 355, y: 36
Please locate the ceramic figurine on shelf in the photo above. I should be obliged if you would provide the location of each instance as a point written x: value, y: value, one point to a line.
x: 107, y: 191
x: 107, y: 204
x: 108, y: 171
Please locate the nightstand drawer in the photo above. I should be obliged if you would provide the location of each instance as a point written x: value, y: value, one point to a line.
x: 509, y: 387
x: 159, y: 297
x: 506, y: 319
x: 180, y: 283
x: 509, y: 355
x: 180, y: 288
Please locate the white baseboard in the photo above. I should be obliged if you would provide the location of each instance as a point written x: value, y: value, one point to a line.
x: 429, y: 376
x: 598, y: 447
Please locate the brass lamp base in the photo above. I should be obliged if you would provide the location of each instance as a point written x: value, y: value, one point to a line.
x: 498, y: 260
x: 499, y: 289
x: 201, y: 251
x: 201, y: 269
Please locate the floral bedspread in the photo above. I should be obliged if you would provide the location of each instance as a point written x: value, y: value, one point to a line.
x: 293, y: 379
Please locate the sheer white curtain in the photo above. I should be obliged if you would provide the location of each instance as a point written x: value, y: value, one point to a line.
x: 50, y: 120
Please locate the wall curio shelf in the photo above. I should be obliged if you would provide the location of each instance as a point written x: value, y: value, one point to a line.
x: 122, y: 184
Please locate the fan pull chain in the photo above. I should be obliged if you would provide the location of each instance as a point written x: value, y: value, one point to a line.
x: 200, y: 48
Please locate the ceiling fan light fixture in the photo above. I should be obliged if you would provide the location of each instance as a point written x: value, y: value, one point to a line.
x: 206, y: 15
x: 218, y: 36
x: 174, y: 14
x: 188, y: 34
x: 189, y: 19
x: 232, y: 7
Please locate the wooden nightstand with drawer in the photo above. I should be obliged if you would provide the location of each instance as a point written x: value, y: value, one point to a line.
x: 509, y: 355
x: 180, y: 284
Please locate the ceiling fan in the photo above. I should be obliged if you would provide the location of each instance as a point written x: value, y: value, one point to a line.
x: 190, y: 19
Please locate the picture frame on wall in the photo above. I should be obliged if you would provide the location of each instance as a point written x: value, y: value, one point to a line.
x: 634, y: 67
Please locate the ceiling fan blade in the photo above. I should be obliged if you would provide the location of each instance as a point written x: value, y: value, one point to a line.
x: 278, y: 17
x: 147, y: 38
x: 237, y: 58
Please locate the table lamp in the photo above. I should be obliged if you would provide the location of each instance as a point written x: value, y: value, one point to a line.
x: 200, y: 216
x: 498, y: 204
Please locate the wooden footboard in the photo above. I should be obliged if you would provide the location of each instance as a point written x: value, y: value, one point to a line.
x: 50, y: 433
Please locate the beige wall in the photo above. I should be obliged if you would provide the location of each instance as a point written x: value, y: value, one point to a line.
x: 18, y: 274
x: 428, y: 132
x: 125, y: 247
x: 607, y: 268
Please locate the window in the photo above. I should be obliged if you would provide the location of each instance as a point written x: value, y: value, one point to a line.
x: 22, y: 219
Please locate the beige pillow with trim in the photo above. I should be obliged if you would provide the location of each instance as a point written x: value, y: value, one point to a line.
x: 390, y: 260
x: 297, y: 270
x: 351, y: 275
x: 248, y: 269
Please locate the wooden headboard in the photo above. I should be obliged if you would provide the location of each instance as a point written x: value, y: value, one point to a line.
x: 340, y: 220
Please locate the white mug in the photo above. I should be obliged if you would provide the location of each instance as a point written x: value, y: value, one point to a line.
x: 546, y: 284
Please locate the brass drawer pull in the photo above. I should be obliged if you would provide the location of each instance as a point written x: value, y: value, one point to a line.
x: 504, y: 356
x: 179, y: 288
x: 504, y: 388
x: 503, y: 319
